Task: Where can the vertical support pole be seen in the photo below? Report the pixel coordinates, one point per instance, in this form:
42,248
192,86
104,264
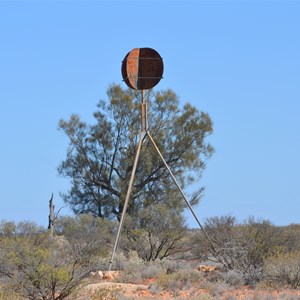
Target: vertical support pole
144,113
144,126
126,200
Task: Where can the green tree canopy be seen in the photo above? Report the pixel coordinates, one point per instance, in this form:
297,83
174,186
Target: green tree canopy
100,156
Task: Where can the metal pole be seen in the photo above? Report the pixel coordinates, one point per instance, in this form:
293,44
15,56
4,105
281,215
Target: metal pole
126,199
180,190
144,113
142,136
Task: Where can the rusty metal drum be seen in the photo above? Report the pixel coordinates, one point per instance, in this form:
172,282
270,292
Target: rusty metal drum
142,68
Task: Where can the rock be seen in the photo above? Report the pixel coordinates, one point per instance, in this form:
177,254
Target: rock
207,269
110,275
98,275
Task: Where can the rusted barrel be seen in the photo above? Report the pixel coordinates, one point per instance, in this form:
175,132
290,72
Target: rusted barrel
142,68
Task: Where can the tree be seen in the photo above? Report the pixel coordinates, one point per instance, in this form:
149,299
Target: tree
100,156
52,218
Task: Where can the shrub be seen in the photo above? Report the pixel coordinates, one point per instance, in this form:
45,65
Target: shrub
106,293
171,266
288,297
283,270
216,288
161,233
37,266
241,247
131,267
181,280
205,297
7,294
87,234
152,270
233,278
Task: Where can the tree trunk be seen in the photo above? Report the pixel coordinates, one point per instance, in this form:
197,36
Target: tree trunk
51,216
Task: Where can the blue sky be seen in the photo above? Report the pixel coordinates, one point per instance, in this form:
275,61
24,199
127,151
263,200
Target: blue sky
237,60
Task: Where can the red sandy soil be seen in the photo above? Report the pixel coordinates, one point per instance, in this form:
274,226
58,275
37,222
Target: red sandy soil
141,291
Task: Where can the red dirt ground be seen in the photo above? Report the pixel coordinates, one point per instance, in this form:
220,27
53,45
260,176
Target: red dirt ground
141,291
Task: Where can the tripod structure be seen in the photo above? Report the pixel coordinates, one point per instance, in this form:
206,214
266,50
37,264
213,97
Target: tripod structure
145,133
142,69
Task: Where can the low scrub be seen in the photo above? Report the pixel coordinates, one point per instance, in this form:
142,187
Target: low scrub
106,293
283,270
8,294
181,280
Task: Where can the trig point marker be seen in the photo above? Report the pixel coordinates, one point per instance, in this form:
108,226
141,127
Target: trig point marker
142,69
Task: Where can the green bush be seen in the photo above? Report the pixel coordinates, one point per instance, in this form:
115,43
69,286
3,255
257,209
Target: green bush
240,247
181,280
152,270
106,293
283,270
37,266
233,278
87,234
131,267
8,294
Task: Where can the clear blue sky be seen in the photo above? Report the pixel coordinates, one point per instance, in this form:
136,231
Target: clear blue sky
237,60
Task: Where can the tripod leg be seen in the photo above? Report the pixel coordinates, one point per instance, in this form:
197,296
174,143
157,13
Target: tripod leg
126,199
180,190
174,179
